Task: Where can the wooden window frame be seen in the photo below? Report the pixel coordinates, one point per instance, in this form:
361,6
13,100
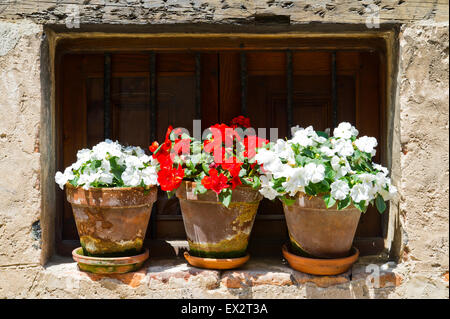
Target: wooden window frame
204,42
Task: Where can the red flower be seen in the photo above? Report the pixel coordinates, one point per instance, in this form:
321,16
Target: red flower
240,121
154,146
170,178
226,134
215,181
163,155
234,168
182,146
235,181
251,143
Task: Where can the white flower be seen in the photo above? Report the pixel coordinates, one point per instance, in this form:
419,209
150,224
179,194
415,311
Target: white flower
388,194
303,137
284,150
343,147
360,192
381,168
267,187
315,173
96,167
340,166
367,144
61,179
345,130
149,175
339,189
327,151
296,181
270,161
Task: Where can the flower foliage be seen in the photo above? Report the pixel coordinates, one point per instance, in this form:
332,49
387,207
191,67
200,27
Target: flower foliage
339,168
220,163
109,164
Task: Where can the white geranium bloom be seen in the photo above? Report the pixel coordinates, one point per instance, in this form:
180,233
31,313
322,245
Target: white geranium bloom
388,194
149,175
340,166
315,173
367,144
302,139
327,151
267,187
343,147
339,189
381,168
345,130
360,192
284,150
61,179
294,129
105,178
296,181
270,161
131,177
93,167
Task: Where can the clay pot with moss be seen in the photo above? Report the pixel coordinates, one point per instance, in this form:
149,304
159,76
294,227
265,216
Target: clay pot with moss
111,222
320,232
213,230
112,189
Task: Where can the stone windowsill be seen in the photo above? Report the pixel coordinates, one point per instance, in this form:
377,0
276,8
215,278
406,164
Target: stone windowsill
259,278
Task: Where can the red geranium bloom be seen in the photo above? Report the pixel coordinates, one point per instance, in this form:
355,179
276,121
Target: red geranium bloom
170,178
234,168
182,146
240,121
235,181
154,146
226,134
251,143
215,181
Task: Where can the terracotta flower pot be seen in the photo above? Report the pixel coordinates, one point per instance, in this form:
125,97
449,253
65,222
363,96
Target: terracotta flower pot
214,231
111,222
316,231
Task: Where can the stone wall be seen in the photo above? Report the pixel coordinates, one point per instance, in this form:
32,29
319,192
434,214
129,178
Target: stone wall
419,122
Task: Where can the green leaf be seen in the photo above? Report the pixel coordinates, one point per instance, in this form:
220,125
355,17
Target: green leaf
277,184
323,134
308,152
381,205
256,183
200,189
329,200
95,164
329,173
225,197
170,194
344,203
116,170
361,206
322,187
288,201
205,168
74,181
310,191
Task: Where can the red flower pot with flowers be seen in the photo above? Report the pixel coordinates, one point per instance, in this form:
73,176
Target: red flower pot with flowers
217,183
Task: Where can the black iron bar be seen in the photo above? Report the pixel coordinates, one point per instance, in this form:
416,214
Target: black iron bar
107,118
152,83
334,115
198,95
289,85
243,83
